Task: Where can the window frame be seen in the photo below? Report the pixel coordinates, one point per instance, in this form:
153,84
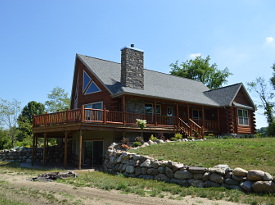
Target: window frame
152,105
85,90
243,117
99,102
199,114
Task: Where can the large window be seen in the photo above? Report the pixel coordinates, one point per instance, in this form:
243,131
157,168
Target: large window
149,109
196,114
243,117
89,86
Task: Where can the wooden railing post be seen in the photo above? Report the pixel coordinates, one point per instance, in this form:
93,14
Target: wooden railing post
82,113
67,115
33,120
124,109
104,115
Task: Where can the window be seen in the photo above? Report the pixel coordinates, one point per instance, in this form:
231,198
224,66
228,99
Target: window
196,114
149,109
89,86
96,105
243,117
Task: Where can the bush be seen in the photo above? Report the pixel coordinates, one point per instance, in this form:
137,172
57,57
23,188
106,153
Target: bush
125,140
178,136
141,123
139,139
137,144
152,138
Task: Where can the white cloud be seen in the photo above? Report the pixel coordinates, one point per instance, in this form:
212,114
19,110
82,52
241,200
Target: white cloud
269,40
194,55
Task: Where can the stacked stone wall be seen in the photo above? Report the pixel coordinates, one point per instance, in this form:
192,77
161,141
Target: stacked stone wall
54,154
138,166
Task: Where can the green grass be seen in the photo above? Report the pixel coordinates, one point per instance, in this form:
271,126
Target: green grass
256,153
154,188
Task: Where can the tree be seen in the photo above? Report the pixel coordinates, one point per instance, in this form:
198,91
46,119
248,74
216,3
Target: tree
261,89
200,69
9,111
5,141
25,119
58,100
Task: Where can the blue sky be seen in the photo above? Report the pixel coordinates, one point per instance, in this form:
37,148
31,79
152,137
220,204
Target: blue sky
39,39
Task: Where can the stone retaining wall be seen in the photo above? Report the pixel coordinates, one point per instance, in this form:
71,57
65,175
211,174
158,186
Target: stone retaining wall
138,166
53,154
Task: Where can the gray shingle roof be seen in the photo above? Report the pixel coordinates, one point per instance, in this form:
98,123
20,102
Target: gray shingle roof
160,85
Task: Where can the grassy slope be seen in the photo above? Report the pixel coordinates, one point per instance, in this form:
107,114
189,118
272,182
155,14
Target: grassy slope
258,153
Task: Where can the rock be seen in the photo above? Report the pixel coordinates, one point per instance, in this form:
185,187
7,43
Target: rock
150,142
145,144
161,170
144,176
238,178
267,177
228,186
177,166
138,171
197,176
255,175
130,169
231,181
217,178
180,182
263,186
247,186
146,163
162,177
206,176
195,183
152,171
144,170
169,172
183,174
220,169
240,172
197,170
159,141
156,164
136,157
210,184
228,175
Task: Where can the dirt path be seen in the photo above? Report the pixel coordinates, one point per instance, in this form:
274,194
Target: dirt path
16,186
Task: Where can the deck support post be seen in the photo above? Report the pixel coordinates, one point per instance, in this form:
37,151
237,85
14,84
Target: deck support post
155,113
188,112
104,115
177,114
33,148
66,149
82,113
203,122
80,150
44,149
218,115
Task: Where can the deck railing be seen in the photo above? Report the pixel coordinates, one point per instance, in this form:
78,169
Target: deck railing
100,116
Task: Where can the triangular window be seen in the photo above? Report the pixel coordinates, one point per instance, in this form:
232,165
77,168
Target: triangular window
86,81
89,86
92,88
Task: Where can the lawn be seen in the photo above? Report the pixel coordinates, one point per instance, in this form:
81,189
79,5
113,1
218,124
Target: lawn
256,153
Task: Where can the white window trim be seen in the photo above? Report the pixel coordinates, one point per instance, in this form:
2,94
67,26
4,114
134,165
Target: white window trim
84,89
91,82
243,117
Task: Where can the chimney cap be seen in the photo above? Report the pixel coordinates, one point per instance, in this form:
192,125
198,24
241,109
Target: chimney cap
132,45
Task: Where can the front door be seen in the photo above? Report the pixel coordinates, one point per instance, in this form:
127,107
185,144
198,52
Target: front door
93,153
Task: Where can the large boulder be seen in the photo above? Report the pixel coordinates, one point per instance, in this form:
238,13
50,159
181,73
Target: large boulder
162,177
247,186
255,175
169,172
220,169
217,178
183,174
263,187
239,172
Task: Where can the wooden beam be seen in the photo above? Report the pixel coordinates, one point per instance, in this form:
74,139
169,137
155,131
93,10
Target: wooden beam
188,112
44,149
82,113
177,113
33,149
80,150
66,149
155,112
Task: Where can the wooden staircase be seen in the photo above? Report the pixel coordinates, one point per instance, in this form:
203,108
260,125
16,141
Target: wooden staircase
190,129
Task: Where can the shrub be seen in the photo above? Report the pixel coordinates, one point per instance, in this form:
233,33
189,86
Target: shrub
139,139
152,138
137,144
178,136
125,140
141,123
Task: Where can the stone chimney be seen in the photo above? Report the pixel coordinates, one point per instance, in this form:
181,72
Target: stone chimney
132,69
